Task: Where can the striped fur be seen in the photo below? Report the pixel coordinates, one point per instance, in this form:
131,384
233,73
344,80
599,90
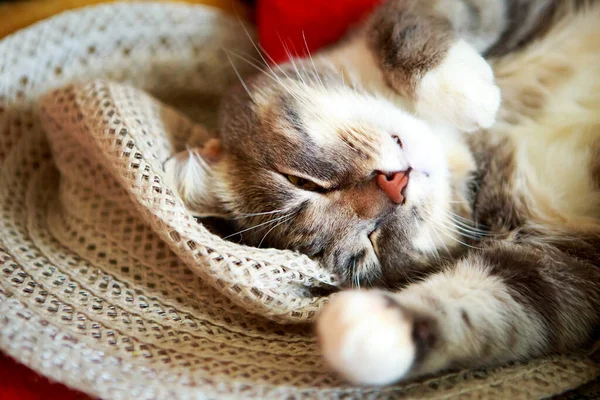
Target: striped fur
495,254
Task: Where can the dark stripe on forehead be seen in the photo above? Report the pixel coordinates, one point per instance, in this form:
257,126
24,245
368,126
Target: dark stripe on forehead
277,151
360,142
312,161
297,150
289,108
359,152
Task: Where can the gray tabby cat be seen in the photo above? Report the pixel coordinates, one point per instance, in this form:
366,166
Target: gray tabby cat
392,159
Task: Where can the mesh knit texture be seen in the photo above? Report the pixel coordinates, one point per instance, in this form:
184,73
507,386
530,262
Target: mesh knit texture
107,283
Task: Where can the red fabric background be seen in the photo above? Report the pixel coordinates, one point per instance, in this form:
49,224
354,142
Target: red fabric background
18,382
322,22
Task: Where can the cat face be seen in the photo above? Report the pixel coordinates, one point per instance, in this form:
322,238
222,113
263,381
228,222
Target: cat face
312,165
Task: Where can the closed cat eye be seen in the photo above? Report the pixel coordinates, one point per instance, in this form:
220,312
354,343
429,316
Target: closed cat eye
304,184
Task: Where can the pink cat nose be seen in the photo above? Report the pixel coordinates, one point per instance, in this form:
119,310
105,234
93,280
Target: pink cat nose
393,184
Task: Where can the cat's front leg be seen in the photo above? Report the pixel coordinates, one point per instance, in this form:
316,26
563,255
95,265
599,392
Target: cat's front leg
424,58
460,90
377,337
369,339
500,305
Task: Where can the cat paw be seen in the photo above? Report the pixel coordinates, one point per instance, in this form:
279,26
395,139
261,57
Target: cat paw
461,90
367,338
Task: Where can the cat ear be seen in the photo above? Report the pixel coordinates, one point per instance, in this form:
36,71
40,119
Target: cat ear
192,174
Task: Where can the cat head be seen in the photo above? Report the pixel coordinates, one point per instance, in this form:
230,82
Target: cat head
305,162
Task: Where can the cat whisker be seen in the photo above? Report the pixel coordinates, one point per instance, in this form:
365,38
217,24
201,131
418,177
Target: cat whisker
444,230
260,52
434,249
298,74
342,76
460,230
356,276
308,74
312,60
466,223
385,284
460,217
254,63
449,224
256,47
240,78
292,60
197,158
441,240
292,57
257,226
471,229
267,72
242,216
275,226
455,239
472,224
306,70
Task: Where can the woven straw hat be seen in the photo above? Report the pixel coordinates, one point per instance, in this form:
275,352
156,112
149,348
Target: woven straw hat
107,284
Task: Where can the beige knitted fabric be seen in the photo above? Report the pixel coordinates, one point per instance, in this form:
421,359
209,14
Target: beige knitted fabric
107,284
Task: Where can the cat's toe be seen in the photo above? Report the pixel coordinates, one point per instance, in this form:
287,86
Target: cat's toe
460,91
364,339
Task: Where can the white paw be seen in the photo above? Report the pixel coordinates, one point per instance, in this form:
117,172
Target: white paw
461,90
364,339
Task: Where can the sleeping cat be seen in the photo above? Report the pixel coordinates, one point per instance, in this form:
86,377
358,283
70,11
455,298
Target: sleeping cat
466,197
